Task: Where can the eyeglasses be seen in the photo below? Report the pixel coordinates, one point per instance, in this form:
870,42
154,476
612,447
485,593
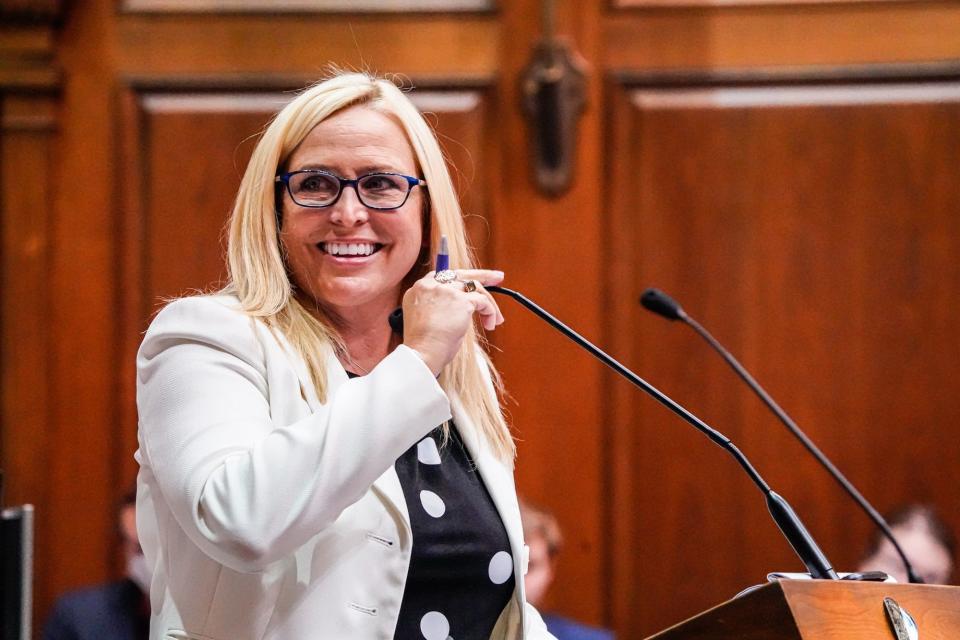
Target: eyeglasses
317,188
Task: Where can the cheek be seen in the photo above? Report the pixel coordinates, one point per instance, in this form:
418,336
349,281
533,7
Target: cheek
407,230
296,253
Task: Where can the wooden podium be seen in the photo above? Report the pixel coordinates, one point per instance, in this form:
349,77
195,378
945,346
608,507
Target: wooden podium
824,610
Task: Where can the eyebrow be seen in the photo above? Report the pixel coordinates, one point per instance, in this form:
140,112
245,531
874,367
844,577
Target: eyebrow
362,171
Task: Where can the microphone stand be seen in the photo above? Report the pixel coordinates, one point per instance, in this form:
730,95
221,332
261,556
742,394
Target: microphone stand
804,440
786,519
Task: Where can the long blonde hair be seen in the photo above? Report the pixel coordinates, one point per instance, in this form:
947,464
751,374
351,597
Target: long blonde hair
258,274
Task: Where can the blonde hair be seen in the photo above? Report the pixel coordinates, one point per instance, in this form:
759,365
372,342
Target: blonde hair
258,273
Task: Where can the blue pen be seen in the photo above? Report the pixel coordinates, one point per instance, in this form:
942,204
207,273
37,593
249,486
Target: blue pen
443,256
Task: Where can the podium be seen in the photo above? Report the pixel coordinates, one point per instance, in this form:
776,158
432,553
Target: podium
825,610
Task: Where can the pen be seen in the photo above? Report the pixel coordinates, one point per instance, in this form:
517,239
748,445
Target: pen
443,256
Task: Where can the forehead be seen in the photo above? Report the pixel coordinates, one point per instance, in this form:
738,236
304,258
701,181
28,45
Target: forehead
356,138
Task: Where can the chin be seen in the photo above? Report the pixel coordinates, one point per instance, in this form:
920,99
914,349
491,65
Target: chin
355,292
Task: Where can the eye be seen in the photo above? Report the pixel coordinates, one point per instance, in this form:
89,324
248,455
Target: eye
382,183
314,183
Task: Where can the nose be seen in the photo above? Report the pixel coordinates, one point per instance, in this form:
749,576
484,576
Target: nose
348,210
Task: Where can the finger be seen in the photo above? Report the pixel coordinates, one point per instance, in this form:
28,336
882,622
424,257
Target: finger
484,306
483,276
493,301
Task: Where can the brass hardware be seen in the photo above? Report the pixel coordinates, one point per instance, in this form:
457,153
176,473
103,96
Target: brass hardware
553,88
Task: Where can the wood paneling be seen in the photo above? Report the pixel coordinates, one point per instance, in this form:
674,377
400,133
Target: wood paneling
551,250
783,174
702,4
827,35
821,244
26,142
29,93
177,198
464,48
303,6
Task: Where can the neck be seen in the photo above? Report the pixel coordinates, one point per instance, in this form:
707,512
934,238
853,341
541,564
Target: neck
365,333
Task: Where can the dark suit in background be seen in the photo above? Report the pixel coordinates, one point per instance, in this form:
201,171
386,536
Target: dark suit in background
113,611
567,629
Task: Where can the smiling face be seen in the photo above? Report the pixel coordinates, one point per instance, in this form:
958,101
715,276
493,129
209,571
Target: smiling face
348,258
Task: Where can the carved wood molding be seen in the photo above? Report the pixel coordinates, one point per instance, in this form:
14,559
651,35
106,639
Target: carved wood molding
304,6
27,45
789,76
687,4
31,11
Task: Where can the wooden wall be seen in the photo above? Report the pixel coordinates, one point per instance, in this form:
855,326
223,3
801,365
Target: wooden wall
788,170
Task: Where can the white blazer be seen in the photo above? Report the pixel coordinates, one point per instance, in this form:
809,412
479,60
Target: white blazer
265,514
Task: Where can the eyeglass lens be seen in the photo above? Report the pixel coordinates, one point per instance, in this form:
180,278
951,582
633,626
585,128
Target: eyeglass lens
380,190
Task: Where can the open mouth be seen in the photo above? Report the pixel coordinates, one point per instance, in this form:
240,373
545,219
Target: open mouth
350,249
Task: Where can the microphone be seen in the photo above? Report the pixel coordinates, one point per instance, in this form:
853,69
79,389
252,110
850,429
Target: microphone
660,303
784,516
395,319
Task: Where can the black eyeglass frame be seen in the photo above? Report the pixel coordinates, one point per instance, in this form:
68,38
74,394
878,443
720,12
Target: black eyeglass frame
284,178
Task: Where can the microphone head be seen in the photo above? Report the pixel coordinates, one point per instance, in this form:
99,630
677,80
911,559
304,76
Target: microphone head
396,321
661,304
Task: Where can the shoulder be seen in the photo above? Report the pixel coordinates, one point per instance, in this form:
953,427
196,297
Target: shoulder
216,320
196,312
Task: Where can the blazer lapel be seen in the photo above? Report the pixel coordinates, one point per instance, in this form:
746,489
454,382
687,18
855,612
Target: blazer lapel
388,484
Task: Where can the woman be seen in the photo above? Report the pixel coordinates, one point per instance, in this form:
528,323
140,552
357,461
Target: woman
306,472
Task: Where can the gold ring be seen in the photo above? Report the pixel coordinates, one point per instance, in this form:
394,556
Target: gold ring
469,286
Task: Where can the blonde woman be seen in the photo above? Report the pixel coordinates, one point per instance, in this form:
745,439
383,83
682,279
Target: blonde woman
305,471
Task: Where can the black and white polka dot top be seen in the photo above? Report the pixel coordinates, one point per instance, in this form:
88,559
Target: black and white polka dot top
461,570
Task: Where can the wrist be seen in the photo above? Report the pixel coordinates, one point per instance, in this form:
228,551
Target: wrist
434,363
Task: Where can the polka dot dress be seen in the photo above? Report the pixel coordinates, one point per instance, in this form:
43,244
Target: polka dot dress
461,570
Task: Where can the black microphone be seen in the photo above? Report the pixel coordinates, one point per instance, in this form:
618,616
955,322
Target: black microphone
785,517
395,319
660,303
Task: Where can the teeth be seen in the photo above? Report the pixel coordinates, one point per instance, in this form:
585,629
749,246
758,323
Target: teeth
349,249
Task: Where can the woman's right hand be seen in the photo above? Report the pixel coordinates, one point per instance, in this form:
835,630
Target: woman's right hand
436,316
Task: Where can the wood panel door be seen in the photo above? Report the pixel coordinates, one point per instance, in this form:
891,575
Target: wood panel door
821,246
783,167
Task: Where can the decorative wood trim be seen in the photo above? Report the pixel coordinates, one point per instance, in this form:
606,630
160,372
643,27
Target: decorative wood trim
782,36
789,76
773,96
699,4
27,46
306,6
246,83
36,79
31,11
129,277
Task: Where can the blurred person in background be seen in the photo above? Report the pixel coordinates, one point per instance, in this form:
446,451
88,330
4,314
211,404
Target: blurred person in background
114,611
543,536
925,539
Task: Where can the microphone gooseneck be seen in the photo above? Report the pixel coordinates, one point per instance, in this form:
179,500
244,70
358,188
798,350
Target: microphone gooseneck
653,300
787,520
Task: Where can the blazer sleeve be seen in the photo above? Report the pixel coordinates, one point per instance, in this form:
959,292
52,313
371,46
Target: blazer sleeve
245,490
